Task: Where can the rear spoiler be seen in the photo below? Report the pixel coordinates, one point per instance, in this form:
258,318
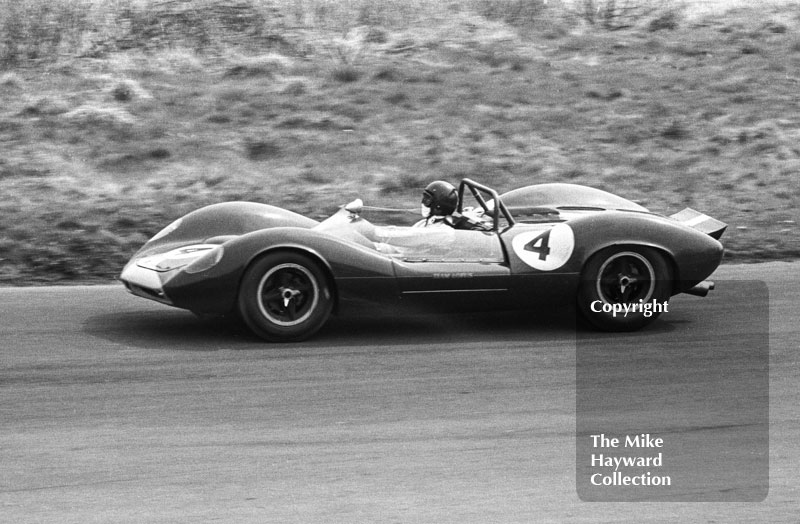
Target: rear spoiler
701,222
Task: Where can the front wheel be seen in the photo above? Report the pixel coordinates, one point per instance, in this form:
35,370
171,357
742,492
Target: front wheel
284,297
624,288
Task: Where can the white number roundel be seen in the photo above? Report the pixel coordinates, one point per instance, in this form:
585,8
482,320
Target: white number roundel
545,250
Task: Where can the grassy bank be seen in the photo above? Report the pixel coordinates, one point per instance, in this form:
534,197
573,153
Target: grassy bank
118,117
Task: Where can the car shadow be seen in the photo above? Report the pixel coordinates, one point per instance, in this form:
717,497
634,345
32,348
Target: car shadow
183,331
167,329
387,326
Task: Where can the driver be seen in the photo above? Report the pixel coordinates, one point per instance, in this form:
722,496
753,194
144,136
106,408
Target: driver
438,208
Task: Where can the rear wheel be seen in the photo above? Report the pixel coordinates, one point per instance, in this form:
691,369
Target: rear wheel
624,288
284,297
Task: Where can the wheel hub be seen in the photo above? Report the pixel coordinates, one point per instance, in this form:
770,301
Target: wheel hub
625,277
625,281
288,294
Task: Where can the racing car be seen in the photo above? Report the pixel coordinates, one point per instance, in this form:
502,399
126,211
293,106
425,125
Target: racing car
546,245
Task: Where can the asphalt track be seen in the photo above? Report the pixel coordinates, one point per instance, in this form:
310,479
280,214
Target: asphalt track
115,409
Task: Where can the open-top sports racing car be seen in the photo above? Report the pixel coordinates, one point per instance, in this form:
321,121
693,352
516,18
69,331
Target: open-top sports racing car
548,244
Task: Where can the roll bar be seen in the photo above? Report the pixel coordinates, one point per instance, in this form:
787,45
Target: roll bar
499,207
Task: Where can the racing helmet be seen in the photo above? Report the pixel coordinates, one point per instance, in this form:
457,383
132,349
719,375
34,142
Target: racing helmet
440,198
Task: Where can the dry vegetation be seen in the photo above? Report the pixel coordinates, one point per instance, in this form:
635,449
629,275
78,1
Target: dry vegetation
117,117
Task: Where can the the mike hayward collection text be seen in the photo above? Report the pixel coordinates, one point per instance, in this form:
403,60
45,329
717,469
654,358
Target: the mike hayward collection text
615,469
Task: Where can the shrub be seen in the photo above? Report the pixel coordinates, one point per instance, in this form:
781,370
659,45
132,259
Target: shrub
667,20
264,65
122,92
396,98
127,90
261,149
675,131
296,88
387,74
46,106
512,12
618,14
346,73
36,29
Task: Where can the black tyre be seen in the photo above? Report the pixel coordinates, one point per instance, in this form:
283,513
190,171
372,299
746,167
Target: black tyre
284,297
637,278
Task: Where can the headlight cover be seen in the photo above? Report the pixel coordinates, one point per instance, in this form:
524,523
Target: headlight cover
206,261
183,256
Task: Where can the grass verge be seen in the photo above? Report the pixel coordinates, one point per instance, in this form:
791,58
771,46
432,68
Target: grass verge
110,131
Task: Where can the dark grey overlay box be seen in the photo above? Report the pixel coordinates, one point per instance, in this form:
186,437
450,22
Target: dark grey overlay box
686,400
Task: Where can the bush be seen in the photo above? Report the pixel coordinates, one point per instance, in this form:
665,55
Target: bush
619,14
261,149
512,12
35,29
346,73
675,131
668,20
46,29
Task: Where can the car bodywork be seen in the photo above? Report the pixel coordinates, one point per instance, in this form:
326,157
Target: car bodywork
534,251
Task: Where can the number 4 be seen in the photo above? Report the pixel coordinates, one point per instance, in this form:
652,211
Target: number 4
539,245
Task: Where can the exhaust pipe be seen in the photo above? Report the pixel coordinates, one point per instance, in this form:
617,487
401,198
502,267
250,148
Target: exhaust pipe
701,289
